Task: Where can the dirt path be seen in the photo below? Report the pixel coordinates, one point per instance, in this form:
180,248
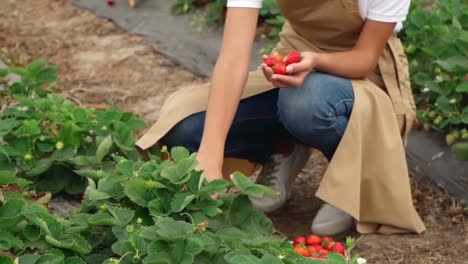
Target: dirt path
99,62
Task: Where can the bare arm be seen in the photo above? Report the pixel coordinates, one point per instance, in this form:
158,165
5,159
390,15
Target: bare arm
363,58
353,64
227,85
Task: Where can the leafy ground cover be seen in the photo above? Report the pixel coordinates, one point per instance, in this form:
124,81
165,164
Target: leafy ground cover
99,62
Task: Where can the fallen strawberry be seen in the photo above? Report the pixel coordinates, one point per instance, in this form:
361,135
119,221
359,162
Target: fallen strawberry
313,240
293,57
280,68
300,240
323,252
327,242
302,251
110,2
270,61
338,247
416,124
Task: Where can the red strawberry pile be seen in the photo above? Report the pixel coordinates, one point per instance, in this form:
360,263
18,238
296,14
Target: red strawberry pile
315,247
279,64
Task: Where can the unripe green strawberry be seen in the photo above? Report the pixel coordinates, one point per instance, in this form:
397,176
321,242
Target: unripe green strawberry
104,128
432,115
450,139
28,156
438,120
150,184
427,127
456,134
59,145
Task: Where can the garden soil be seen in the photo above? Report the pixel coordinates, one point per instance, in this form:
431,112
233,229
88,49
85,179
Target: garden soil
98,63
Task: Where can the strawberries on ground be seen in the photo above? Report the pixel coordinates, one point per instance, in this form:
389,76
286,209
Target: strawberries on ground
316,247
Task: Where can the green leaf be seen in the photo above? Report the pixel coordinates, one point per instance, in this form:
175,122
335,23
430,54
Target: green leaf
31,232
334,258
104,148
452,63
158,208
240,181
180,172
40,167
270,259
6,260
171,229
7,177
47,75
240,210
236,257
103,219
179,153
126,167
95,195
6,125
461,151
217,186
9,241
462,88
12,208
123,215
181,200
112,185
123,136
34,67
193,246
74,260
19,71
136,191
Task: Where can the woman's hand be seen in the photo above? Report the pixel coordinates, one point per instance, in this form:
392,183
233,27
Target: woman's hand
298,71
211,166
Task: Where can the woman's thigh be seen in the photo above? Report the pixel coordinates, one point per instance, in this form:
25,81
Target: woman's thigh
254,133
317,112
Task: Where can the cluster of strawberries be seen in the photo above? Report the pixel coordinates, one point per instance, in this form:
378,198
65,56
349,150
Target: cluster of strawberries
315,247
279,64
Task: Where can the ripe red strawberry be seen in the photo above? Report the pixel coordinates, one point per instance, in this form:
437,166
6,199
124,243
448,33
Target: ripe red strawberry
323,252
270,61
280,68
302,251
338,247
312,249
416,124
300,240
293,57
317,247
82,195
278,57
313,240
110,2
327,242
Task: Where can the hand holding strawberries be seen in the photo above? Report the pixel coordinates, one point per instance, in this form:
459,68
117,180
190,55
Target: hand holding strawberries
291,71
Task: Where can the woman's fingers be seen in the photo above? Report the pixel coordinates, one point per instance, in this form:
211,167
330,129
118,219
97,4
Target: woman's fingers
286,81
267,72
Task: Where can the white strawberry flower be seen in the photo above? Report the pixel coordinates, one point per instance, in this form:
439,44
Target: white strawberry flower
426,90
361,261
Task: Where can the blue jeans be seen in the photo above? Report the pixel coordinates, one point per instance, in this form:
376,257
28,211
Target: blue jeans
315,114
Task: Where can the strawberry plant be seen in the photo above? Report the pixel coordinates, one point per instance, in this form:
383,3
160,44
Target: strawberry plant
435,38
53,143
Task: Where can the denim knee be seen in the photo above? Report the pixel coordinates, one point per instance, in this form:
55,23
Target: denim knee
187,133
315,109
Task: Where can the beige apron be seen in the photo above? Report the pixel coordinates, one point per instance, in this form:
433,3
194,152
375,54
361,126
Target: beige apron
368,175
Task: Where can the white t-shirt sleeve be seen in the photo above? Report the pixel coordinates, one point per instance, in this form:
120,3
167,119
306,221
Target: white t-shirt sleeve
388,10
245,3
